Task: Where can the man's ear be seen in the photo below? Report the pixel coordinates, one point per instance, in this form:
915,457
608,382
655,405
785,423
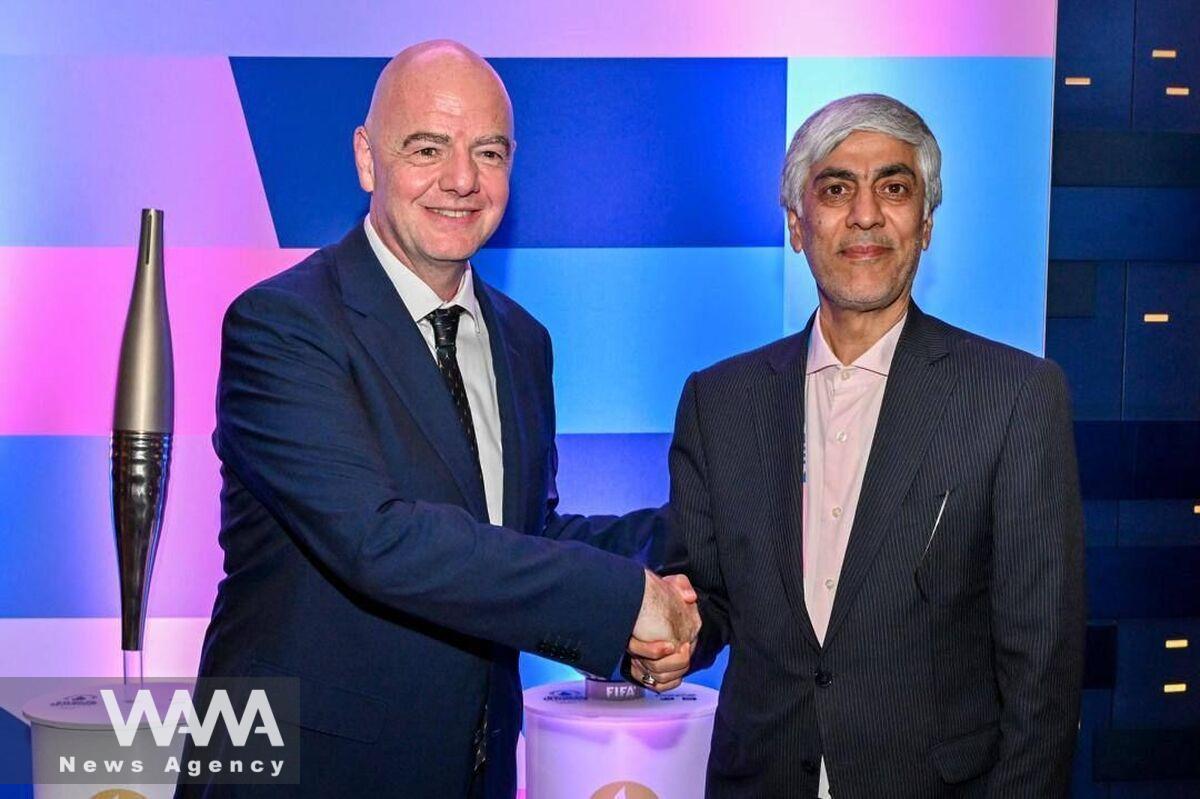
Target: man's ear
363,160
795,230
926,232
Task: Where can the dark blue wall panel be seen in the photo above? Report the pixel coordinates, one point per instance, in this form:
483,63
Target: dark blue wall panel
1166,25
1124,224
1160,522
1085,328
1095,40
600,142
1094,714
1126,158
1145,665
1162,362
1143,582
295,107
689,148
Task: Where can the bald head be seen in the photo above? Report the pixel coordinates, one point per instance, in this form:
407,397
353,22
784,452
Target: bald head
435,152
432,67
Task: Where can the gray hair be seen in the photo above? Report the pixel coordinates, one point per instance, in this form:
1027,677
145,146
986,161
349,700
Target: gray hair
829,126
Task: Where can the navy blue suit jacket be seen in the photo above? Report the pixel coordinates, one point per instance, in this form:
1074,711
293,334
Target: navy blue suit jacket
358,556
952,664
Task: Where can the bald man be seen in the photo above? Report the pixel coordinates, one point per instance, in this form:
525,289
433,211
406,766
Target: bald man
385,423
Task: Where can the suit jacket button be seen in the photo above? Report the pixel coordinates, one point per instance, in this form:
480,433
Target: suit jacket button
824,678
809,766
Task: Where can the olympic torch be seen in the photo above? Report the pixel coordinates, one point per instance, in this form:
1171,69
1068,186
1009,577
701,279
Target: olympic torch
143,422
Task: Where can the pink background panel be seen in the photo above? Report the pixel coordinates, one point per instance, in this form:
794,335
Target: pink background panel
541,28
64,311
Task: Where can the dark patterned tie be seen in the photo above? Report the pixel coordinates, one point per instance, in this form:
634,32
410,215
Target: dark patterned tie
445,336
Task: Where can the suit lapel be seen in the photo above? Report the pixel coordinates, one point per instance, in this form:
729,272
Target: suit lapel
389,334
777,401
919,382
512,426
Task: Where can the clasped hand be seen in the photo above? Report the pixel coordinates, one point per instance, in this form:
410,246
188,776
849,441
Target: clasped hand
665,633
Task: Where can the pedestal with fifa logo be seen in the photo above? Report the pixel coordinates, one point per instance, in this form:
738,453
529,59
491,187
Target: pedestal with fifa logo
616,742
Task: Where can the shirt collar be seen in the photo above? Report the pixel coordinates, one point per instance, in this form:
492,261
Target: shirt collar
877,359
418,297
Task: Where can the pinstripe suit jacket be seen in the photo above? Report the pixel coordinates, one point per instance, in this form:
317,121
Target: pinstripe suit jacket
952,663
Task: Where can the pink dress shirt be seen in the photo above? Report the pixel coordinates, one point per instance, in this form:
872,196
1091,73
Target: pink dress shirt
841,407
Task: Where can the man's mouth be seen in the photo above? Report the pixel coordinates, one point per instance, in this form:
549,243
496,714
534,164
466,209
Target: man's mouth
864,251
452,213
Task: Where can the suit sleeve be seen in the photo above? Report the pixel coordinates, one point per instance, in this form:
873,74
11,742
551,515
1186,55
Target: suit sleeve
639,534
291,426
1038,615
692,544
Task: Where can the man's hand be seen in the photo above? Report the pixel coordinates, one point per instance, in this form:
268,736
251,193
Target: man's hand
665,632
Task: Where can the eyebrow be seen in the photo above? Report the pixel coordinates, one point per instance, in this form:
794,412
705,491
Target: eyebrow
425,136
442,138
835,173
499,139
894,169
838,173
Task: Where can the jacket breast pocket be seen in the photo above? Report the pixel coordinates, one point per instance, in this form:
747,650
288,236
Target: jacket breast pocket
952,562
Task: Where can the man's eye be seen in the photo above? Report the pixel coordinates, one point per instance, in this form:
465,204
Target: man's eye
836,190
427,152
895,189
492,155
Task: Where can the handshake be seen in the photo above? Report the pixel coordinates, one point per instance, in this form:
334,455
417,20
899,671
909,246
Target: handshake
663,638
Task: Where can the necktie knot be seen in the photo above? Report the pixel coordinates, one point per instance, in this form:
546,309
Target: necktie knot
445,325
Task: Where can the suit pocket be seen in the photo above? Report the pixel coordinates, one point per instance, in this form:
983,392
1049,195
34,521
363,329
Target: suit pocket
967,756
328,709
952,548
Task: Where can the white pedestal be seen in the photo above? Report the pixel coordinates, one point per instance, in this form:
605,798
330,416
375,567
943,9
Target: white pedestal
76,722
650,748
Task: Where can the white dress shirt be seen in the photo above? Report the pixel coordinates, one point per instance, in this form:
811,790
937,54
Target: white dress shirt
474,352
841,409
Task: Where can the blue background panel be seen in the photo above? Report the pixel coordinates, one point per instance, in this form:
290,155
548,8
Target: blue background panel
301,114
1162,380
1161,522
1095,40
629,325
986,267
611,152
1085,333
1124,224
1100,522
1144,665
1166,25
1094,713
612,473
1143,582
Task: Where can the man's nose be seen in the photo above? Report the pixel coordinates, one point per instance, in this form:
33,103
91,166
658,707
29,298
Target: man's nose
866,211
460,175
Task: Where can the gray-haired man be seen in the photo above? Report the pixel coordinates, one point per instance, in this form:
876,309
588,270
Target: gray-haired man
881,514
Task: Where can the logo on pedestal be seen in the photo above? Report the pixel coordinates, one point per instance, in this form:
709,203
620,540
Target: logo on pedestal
624,790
